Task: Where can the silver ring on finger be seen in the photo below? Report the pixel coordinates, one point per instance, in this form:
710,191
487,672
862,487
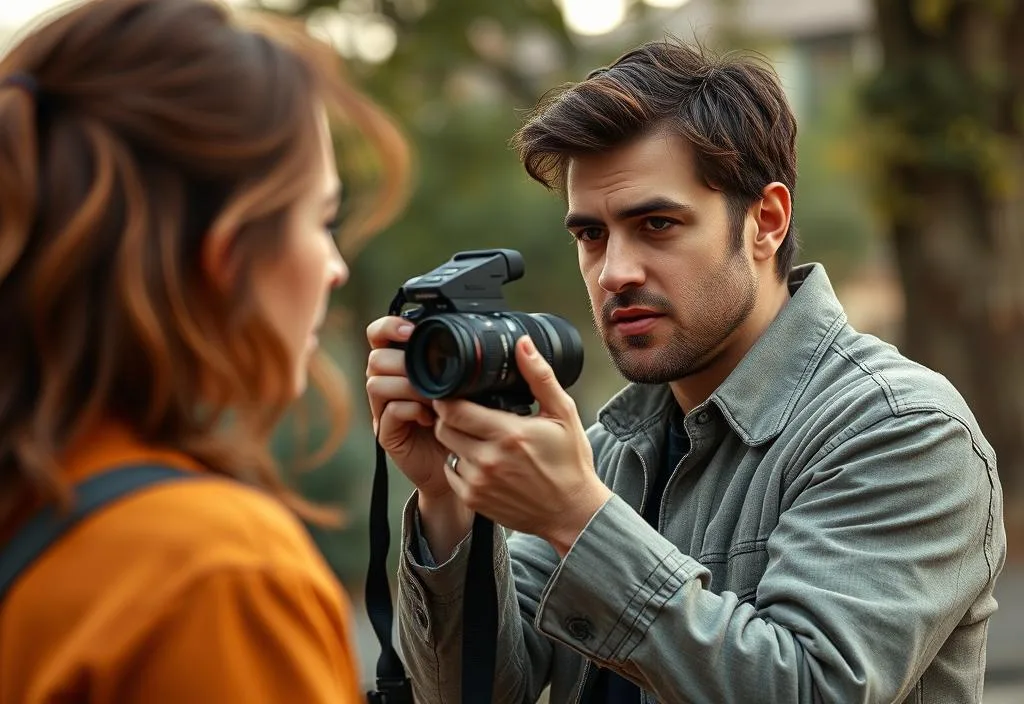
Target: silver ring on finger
452,462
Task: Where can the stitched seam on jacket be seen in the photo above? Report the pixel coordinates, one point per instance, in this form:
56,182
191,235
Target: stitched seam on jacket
625,652
618,626
637,629
900,409
647,591
742,548
883,384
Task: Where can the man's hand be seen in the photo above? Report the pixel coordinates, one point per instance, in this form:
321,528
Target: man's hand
404,422
531,474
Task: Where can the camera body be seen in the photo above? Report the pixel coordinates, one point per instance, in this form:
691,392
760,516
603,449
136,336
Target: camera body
464,342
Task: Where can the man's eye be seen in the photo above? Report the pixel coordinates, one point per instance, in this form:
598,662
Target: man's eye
587,234
657,223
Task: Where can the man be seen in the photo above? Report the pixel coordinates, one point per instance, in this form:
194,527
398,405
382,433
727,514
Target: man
776,508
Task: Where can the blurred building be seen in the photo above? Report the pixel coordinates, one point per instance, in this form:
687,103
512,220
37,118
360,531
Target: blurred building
810,42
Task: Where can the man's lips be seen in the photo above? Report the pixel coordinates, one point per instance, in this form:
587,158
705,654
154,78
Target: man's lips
634,321
632,313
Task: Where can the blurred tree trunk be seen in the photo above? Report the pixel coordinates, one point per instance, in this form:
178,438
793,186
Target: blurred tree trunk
946,115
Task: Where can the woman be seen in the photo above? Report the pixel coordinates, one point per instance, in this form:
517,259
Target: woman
167,194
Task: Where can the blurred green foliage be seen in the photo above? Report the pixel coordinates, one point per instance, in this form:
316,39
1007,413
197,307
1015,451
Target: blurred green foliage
836,220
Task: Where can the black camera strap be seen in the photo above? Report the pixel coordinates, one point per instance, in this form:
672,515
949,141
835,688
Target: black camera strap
479,616
393,686
480,605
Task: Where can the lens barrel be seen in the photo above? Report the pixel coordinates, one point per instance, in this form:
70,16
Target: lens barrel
458,355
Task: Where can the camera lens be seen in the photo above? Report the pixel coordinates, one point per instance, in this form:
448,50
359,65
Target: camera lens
439,359
471,354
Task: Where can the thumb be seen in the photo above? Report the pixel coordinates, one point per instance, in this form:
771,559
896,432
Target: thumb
540,377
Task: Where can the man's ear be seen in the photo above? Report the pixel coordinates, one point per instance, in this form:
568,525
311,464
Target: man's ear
772,215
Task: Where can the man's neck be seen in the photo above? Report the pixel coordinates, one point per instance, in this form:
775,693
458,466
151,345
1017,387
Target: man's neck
693,390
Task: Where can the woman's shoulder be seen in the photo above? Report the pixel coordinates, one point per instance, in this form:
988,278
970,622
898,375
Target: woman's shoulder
205,517
201,516
146,549
174,531
198,560
163,540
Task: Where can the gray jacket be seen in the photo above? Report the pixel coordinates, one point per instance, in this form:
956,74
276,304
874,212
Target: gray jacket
833,535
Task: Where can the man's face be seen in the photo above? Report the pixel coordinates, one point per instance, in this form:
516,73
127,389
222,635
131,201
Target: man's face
668,284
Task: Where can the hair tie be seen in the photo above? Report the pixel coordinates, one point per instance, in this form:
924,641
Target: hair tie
22,80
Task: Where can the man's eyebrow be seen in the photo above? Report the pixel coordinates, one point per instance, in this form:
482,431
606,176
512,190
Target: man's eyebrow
654,205
580,220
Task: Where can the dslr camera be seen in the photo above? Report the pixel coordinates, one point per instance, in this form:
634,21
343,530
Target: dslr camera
463,345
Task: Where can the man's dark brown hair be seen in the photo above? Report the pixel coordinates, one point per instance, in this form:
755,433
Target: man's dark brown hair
731,109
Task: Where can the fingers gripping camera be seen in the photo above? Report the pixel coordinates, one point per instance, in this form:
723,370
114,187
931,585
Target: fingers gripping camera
463,345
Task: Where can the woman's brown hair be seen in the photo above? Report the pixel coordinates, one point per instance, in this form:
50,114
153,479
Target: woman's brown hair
131,131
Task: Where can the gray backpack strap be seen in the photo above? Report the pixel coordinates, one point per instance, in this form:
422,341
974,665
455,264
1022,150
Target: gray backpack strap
48,525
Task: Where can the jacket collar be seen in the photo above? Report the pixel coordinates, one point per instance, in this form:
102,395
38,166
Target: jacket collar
758,397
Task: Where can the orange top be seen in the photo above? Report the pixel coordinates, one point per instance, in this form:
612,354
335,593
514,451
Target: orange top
189,592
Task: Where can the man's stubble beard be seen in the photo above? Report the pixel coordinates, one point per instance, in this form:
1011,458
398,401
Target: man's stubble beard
686,351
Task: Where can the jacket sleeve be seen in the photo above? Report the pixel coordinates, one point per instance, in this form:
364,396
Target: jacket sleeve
260,635
430,616
886,543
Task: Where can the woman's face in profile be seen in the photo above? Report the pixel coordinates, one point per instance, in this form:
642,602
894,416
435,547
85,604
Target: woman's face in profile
294,289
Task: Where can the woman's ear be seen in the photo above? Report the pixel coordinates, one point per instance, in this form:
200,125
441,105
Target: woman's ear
215,257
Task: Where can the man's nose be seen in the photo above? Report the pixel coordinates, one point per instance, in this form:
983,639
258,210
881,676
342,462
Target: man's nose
623,266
